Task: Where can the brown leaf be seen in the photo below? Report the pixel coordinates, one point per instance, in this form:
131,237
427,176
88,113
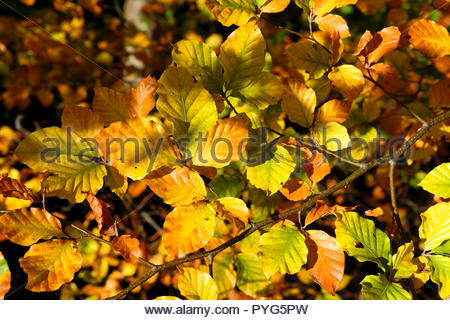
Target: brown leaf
316,166
295,190
128,247
322,210
326,261
14,188
102,215
374,212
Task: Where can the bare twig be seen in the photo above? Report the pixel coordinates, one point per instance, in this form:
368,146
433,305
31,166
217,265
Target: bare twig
398,221
309,202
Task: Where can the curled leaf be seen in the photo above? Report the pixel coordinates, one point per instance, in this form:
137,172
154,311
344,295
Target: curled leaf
128,247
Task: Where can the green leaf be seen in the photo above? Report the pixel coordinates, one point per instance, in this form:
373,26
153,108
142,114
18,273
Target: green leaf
187,104
444,248
224,273
310,57
332,135
360,238
304,4
263,91
380,288
230,12
5,277
201,61
270,174
68,157
250,275
440,274
435,227
402,264
195,284
437,181
242,56
283,249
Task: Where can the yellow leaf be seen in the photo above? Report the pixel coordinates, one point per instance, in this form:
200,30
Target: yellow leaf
136,146
71,159
83,121
110,105
322,7
269,173
225,142
333,23
325,260
299,104
348,79
242,56
5,277
230,12
263,91
197,285
310,57
186,103
333,111
435,227
440,274
273,6
233,209
402,261
28,225
50,264
332,135
430,38
250,275
188,228
176,186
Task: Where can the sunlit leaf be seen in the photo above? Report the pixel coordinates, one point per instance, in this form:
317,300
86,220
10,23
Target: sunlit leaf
136,146
263,91
348,79
186,103
332,135
322,7
333,23
197,285
310,57
283,249
233,209
373,48
322,210
224,273
70,159
28,225
430,38
128,247
141,99
402,263
225,142
250,275
176,186
437,181
440,273
230,12
333,111
270,174
242,56
435,227
295,190
272,6
380,288
316,166
361,239
325,260
299,104
85,122
50,264
5,277
201,61
188,228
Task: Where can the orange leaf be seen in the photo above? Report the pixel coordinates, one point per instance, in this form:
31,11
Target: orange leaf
14,188
371,49
316,166
274,6
102,215
110,105
322,210
295,190
177,186
225,142
128,247
325,260
333,111
141,99
430,38
374,212
348,79
83,121
5,277
333,23
439,94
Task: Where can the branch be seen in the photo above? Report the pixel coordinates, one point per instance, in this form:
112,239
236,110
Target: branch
309,202
398,221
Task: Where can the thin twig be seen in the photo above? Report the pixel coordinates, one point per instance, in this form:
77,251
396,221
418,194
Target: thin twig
308,203
398,221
